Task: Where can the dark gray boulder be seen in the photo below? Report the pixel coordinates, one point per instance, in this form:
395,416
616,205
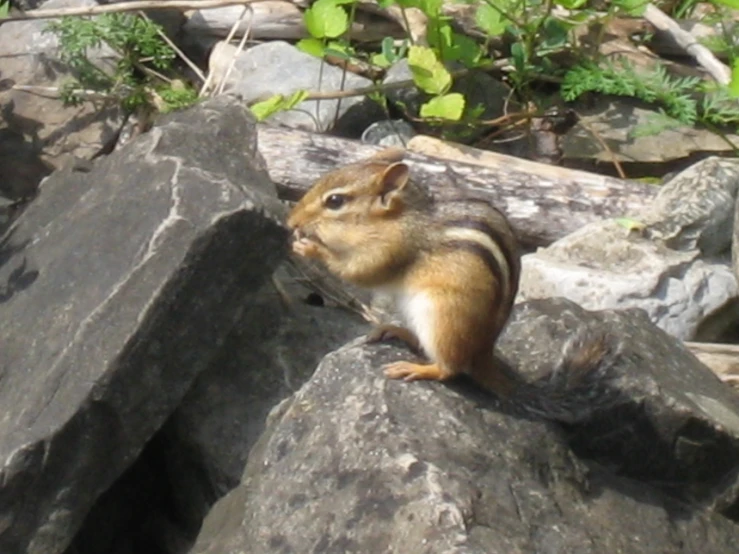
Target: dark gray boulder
119,284
354,462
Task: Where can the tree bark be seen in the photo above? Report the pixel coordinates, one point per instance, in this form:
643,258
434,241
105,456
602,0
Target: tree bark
544,203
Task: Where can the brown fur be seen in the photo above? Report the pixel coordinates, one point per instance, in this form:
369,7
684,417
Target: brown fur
387,234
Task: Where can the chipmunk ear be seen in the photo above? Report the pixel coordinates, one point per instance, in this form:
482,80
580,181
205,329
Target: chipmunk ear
392,182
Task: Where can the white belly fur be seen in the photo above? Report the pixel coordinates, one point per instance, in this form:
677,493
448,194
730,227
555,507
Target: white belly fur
418,311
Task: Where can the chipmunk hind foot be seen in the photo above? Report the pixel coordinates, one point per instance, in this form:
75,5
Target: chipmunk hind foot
410,371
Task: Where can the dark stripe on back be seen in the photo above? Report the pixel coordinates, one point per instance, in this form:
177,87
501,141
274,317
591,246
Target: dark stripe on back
511,258
483,253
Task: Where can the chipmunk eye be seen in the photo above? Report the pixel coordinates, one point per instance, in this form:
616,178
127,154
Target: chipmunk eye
335,201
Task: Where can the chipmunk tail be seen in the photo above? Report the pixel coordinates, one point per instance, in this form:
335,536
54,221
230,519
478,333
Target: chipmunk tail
580,384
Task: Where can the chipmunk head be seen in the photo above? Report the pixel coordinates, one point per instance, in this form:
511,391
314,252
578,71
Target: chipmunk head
351,197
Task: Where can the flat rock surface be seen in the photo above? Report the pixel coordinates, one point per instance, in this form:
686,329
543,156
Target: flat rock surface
119,283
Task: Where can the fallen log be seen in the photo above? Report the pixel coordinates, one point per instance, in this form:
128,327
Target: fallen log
544,203
722,359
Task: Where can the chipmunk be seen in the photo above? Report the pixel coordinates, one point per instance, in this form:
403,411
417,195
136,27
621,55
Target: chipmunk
453,269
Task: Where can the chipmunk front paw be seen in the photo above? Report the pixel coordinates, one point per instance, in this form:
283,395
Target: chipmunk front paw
306,248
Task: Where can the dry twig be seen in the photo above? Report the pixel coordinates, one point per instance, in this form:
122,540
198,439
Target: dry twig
125,7
720,72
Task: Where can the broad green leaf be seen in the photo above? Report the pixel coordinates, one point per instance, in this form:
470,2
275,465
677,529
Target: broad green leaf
490,20
555,33
325,19
262,110
380,60
466,50
311,46
4,8
734,83
731,3
449,106
429,73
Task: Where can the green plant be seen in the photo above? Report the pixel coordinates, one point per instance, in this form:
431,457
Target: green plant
677,96
142,58
622,79
541,47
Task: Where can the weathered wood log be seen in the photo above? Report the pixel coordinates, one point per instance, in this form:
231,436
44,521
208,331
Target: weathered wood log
722,359
544,203
279,19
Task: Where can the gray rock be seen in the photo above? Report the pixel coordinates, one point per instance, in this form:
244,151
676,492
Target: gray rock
120,284
47,134
272,351
678,424
695,209
675,267
389,132
613,120
354,462
279,68
602,266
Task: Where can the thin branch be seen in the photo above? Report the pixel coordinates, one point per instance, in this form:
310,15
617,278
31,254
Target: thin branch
604,145
174,47
334,94
240,47
126,7
720,72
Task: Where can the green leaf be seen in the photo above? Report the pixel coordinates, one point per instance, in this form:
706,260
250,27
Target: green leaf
734,83
380,60
4,8
340,53
571,4
731,3
518,53
429,73
296,98
466,50
630,224
311,46
325,19
490,20
632,7
388,49
262,110
447,106
277,103
555,33
430,7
